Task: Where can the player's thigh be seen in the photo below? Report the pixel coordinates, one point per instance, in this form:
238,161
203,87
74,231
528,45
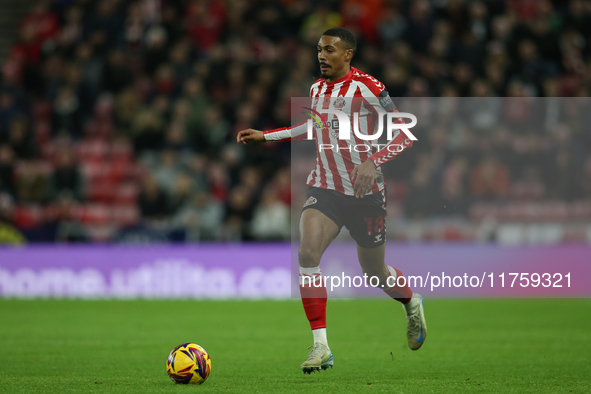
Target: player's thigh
316,232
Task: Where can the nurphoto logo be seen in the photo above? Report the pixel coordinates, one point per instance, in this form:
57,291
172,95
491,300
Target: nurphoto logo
340,128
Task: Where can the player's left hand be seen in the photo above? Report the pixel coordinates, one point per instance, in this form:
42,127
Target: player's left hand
364,176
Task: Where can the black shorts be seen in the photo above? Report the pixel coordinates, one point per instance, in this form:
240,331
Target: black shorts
365,218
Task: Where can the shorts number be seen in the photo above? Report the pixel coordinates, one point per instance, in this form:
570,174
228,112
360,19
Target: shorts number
377,226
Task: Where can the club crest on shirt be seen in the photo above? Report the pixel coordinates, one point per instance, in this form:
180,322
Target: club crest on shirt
310,201
339,102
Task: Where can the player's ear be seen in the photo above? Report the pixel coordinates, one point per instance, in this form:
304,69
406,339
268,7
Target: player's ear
348,55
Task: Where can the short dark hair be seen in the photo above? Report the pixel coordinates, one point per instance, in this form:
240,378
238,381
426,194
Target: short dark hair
347,38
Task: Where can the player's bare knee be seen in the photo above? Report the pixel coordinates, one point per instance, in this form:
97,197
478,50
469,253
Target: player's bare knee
309,257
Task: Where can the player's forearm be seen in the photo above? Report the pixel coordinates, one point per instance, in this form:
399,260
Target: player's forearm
295,133
283,134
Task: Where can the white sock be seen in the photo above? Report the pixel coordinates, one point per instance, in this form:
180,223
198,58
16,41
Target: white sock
411,306
311,271
320,336
309,275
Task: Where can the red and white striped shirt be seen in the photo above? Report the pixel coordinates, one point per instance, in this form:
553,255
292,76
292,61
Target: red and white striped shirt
365,95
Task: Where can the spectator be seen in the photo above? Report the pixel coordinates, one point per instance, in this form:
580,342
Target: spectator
71,31
271,218
239,210
6,170
32,184
175,138
489,180
27,51
152,201
421,196
116,75
156,51
42,21
164,80
63,219
452,200
8,109
90,63
392,25
320,20
9,234
216,129
107,18
182,192
127,106
204,21
202,216
66,178
420,26
20,138
147,130
167,170
197,101
180,59
564,167
197,170
66,119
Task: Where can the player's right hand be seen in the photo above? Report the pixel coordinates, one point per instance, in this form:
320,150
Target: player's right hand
250,135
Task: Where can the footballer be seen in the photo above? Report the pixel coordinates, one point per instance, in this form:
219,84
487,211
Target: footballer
346,188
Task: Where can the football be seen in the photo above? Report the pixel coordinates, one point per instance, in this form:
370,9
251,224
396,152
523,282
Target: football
188,363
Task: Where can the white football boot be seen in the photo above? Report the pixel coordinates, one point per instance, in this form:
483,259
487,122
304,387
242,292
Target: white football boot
416,328
320,357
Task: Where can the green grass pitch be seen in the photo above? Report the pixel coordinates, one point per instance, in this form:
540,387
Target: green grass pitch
480,346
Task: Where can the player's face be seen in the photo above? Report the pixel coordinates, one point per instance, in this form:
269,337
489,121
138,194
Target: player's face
333,58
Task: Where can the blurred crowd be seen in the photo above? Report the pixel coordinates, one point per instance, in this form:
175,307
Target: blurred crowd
118,117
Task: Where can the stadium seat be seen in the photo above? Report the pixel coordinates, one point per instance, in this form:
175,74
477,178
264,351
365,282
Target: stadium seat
126,194
480,211
580,210
98,129
41,110
526,191
90,150
121,152
42,130
94,172
519,212
124,215
103,109
450,232
27,216
395,209
575,233
554,211
100,233
102,191
95,214
398,189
